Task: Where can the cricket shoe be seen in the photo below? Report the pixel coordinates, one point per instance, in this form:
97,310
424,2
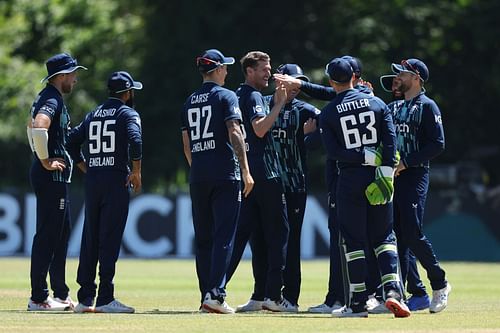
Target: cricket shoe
282,305
82,308
324,308
250,306
48,305
71,304
416,303
216,304
114,306
440,299
394,303
373,306
355,311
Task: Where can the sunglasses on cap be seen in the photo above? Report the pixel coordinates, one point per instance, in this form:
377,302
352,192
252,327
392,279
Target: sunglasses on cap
206,61
406,64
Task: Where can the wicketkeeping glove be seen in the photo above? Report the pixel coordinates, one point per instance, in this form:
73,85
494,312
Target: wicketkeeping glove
373,157
381,190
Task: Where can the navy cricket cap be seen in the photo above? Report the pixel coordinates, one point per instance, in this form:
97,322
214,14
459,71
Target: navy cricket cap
355,63
293,70
386,82
339,70
414,66
122,81
61,63
211,59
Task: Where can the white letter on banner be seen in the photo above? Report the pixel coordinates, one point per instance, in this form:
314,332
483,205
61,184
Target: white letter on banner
8,225
29,222
184,226
131,237
315,219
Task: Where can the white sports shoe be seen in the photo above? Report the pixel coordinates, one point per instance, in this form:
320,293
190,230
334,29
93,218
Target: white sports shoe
324,308
251,305
114,306
345,312
440,299
282,305
82,308
48,305
216,305
375,307
71,304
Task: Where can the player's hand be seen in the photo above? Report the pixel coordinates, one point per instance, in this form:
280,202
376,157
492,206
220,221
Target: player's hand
288,81
399,168
381,190
310,126
51,164
248,183
280,95
366,84
134,180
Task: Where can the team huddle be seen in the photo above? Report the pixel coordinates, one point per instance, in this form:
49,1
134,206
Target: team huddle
248,184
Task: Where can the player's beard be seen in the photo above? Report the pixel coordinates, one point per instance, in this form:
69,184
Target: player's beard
66,87
130,102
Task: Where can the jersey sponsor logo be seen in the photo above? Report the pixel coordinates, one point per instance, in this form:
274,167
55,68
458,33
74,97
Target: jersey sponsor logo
402,128
201,98
279,133
257,109
414,205
62,204
101,162
354,105
203,146
438,119
286,115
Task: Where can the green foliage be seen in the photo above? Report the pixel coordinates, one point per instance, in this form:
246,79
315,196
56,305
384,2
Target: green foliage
158,41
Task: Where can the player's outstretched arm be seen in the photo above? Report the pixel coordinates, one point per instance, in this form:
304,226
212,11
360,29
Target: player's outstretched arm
238,143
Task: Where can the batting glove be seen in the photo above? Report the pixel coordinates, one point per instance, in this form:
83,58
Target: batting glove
381,190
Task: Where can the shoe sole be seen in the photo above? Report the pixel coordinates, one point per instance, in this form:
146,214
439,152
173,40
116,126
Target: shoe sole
272,310
213,310
397,308
352,315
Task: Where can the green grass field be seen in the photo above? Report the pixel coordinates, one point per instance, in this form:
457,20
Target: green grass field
165,295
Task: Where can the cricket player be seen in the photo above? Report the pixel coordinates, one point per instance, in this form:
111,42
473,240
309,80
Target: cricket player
215,150
352,126
110,136
263,217
50,175
420,138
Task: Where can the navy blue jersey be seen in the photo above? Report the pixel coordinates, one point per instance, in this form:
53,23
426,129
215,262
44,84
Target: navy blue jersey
262,157
420,134
288,138
50,103
110,135
204,116
352,121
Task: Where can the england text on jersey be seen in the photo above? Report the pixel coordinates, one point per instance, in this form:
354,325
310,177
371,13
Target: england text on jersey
202,146
100,162
353,105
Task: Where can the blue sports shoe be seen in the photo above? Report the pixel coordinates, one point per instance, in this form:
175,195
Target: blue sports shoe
416,303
